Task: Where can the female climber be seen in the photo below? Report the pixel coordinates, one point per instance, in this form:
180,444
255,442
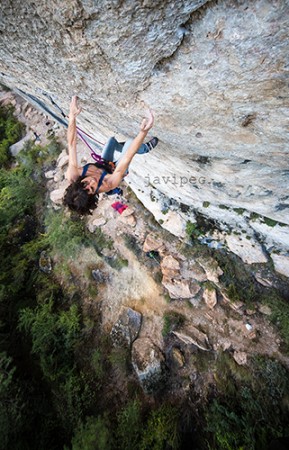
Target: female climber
92,179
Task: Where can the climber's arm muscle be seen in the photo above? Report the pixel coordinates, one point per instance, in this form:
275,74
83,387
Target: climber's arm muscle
125,161
73,170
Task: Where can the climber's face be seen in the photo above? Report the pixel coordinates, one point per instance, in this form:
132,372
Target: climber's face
90,184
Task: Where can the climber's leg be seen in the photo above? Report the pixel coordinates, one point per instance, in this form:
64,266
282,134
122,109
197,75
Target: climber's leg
144,148
110,147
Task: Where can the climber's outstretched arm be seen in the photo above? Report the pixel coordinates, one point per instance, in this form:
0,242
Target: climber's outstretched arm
125,161
72,171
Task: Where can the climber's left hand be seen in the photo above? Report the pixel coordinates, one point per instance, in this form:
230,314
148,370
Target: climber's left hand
74,108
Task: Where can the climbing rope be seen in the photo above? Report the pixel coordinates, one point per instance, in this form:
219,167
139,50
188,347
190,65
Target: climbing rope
81,133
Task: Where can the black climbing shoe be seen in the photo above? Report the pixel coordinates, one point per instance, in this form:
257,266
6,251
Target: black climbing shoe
152,143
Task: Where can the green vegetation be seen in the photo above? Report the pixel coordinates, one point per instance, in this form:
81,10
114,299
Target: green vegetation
241,286
94,434
206,204
133,431
279,316
133,245
172,321
161,430
224,207
239,211
192,230
130,425
51,330
11,131
117,262
270,222
65,235
254,216
11,402
242,415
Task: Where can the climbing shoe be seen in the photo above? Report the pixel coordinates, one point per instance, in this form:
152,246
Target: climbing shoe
152,143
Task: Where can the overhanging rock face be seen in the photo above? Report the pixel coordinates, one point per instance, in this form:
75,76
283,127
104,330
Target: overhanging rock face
215,74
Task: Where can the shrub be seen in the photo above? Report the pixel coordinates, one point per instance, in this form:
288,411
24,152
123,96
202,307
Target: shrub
129,427
172,321
97,363
161,431
251,406
64,235
53,336
133,245
73,398
11,402
239,211
34,158
18,196
270,222
192,230
11,131
94,434
279,316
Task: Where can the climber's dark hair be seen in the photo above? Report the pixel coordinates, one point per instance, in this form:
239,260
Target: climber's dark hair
78,199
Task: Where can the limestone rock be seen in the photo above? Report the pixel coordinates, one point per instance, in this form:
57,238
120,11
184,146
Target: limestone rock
45,262
210,266
249,252
225,344
62,159
128,220
98,276
196,337
281,264
126,329
49,174
264,309
170,267
177,357
263,279
240,358
174,223
95,223
148,362
210,297
193,270
177,288
59,176
250,312
192,60
18,146
128,212
194,288
236,305
152,243
57,195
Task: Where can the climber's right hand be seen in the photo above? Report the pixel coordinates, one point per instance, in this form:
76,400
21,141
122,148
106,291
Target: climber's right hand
74,108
